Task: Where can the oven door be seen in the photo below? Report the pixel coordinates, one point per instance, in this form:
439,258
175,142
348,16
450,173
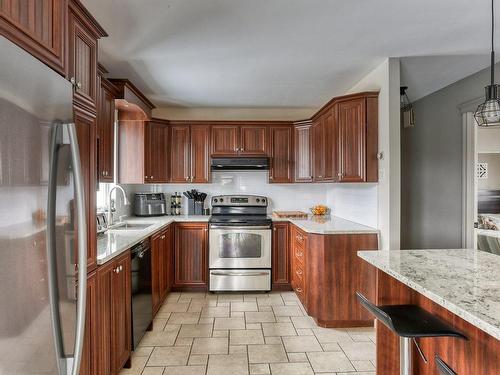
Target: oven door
240,247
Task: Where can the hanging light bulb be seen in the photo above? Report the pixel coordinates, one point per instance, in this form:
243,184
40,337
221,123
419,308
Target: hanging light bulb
488,113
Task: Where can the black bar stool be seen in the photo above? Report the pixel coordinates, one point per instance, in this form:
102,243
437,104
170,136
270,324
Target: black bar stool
443,368
409,322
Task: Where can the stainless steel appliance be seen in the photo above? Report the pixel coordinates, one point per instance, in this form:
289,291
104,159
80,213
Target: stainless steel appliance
240,164
240,244
142,295
150,204
42,220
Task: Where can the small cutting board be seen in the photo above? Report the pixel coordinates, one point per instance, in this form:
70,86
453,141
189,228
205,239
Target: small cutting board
290,214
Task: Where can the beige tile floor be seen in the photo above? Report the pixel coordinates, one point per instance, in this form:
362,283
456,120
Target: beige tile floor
247,334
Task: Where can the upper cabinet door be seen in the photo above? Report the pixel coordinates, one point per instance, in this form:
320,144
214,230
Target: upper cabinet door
224,140
38,27
281,154
330,148
106,133
156,152
179,153
302,148
200,154
318,150
253,140
82,64
352,141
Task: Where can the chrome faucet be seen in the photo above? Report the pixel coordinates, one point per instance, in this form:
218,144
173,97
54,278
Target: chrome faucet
110,208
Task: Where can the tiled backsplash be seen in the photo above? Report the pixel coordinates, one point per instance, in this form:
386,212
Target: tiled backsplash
357,202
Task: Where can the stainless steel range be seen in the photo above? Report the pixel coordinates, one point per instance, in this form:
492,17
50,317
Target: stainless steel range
240,244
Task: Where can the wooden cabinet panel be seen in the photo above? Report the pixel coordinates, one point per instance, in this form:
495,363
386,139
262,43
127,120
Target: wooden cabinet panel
317,150
200,154
179,153
156,152
190,255
86,134
114,314
281,154
253,140
302,149
121,312
298,249
352,140
90,341
330,146
281,260
106,132
224,140
156,257
38,27
166,269
82,63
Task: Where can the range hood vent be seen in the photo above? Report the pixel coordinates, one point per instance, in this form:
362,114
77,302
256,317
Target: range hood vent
240,164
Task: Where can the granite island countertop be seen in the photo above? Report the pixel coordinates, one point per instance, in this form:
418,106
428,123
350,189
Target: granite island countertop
328,225
465,282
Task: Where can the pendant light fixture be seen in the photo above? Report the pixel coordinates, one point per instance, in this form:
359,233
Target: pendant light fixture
488,113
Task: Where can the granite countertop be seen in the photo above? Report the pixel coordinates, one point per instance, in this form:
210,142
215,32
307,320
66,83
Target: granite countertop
113,243
329,225
465,282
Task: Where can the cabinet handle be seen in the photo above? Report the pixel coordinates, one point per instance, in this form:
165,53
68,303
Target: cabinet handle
79,85
242,149
191,179
73,81
340,174
103,173
320,176
274,229
145,177
271,177
163,237
187,178
205,230
121,268
299,290
151,177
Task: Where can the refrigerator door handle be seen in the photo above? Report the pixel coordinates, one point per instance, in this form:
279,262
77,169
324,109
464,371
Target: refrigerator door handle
51,249
67,365
82,250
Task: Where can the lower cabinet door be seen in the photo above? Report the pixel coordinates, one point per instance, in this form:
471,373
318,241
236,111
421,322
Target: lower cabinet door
191,251
121,312
104,286
156,251
90,343
281,256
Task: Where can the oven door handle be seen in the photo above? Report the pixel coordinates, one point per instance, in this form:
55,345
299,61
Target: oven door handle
233,273
215,226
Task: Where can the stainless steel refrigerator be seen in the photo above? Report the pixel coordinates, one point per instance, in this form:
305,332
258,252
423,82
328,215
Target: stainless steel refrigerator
42,220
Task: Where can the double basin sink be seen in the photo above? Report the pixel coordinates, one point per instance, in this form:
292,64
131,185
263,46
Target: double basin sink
126,227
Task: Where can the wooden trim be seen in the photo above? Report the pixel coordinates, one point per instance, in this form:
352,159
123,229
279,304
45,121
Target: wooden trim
89,20
123,84
371,139
226,122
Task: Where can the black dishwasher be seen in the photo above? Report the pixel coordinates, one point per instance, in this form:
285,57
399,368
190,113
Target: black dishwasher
142,299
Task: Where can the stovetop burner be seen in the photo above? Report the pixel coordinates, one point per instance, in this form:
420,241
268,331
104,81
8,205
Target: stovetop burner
239,210
240,220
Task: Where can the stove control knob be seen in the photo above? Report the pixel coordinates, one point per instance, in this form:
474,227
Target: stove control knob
222,200
215,200
263,200
257,200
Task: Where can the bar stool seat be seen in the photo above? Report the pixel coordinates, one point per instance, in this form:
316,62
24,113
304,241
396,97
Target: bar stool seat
409,322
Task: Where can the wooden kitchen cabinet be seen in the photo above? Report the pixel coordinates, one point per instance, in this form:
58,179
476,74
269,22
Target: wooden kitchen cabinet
281,154
253,140
38,27
298,251
239,140
302,150
90,342
156,152
281,256
179,153
190,153
324,148
83,33
114,314
105,128
191,255
161,266
200,154
225,140
85,124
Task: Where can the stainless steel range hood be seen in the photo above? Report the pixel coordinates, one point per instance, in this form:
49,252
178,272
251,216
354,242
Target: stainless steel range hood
240,164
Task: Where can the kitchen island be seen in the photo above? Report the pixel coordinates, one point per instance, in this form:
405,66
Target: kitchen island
460,286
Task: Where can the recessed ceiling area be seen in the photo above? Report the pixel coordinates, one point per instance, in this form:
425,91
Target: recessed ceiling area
274,53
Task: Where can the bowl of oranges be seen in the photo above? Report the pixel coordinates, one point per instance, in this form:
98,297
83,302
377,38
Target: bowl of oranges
320,210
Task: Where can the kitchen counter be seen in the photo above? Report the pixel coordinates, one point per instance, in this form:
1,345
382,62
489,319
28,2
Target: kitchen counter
113,243
464,282
329,225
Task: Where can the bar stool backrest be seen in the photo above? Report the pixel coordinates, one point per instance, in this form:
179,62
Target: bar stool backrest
443,368
379,314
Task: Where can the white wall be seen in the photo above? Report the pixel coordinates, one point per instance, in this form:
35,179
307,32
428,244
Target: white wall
223,113
281,196
385,79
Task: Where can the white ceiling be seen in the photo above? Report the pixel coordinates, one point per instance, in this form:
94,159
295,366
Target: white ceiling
275,53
